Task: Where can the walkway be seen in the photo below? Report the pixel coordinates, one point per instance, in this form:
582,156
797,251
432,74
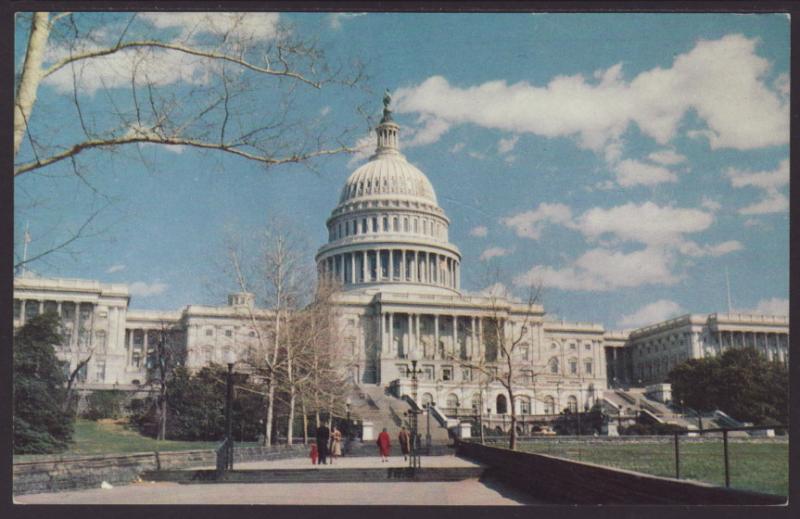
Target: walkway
481,492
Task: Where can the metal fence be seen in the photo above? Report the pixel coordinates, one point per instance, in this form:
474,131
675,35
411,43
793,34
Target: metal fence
737,457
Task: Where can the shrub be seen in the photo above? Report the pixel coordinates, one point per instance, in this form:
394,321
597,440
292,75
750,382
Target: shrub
104,404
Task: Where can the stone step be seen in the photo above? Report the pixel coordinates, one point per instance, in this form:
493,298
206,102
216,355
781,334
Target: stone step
316,475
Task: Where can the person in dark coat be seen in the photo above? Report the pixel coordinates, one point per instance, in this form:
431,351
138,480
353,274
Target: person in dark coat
323,435
404,438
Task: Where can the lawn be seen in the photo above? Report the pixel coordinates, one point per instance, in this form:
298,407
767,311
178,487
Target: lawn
112,437
758,466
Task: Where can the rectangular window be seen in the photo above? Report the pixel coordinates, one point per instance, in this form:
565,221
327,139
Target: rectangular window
209,332
228,333
17,309
427,373
385,223
447,374
573,367
588,367
100,372
572,345
466,374
402,370
587,346
82,373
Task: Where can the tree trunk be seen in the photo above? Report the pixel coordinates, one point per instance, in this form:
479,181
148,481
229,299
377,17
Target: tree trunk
270,406
290,427
512,444
305,421
31,75
162,430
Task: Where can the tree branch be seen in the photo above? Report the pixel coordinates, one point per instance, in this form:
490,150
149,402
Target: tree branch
180,48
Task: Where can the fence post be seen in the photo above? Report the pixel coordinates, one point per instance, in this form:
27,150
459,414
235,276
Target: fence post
677,459
725,449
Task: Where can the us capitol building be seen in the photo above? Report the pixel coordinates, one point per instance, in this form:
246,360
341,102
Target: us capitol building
401,299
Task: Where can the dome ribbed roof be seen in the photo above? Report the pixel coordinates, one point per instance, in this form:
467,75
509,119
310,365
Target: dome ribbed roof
388,174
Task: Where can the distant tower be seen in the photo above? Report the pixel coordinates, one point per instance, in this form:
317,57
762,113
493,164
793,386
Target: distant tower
728,285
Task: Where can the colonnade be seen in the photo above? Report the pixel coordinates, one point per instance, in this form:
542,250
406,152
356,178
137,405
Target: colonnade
402,265
774,345
76,316
452,335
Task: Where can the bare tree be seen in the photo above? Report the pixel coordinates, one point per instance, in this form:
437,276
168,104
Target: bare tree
504,334
235,83
162,360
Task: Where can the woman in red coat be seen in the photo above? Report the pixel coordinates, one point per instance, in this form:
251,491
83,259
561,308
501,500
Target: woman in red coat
384,444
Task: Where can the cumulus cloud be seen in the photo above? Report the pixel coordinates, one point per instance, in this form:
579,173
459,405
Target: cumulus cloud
457,147
646,223
494,252
668,157
722,81
652,313
531,223
142,289
603,269
770,182
506,145
115,268
365,147
710,204
691,248
245,26
497,290
773,306
634,172
335,19
430,131
480,231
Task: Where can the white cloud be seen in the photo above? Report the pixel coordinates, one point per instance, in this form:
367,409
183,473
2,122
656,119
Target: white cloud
710,204
494,252
476,155
115,268
457,147
768,181
722,81
603,269
652,313
480,231
335,19
506,145
497,291
430,131
325,111
691,248
142,289
365,147
773,306
633,172
245,26
647,223
531,223
668,157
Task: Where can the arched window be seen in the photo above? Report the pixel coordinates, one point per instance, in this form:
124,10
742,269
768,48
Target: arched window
476,402
452,400
502,406
364,226
416,225
385,224
424,226
588,367
374,224
405,224
553,364
524,405
427,398
572,404
395,224
549,405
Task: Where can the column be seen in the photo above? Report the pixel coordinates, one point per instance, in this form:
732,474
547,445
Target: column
456,350
474,343
341,268
415,268
382,334
436,336
391,334
391,265
353,267
363,266
130,348
76,328
22,303
481,349
417,333
403,266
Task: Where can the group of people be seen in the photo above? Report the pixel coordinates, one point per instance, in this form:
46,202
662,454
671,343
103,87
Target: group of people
385,444
328,446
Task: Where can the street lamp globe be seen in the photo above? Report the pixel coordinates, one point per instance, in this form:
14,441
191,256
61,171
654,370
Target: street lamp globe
413,356
230,358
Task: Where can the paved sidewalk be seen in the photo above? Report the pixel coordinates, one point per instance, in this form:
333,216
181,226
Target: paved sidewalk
466,492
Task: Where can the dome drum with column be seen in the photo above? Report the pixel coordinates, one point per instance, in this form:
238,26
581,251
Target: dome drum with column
388,226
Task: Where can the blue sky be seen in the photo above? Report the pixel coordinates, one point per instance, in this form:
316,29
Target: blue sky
624,161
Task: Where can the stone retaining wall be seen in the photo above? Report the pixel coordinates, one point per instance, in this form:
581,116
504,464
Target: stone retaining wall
57,473
557,480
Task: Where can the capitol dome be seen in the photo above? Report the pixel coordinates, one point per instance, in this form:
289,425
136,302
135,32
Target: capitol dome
388,227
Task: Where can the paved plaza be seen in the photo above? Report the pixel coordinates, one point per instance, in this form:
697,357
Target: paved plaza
483,492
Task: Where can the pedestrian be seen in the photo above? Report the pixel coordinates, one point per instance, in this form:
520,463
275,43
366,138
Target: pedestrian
323,437
384,444
405,442
336,444
314,453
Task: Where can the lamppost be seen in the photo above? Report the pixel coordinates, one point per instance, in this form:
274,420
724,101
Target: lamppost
428,442
230,360
413,372
347,404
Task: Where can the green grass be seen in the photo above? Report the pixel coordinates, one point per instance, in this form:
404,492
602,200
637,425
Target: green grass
761,467
112,437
